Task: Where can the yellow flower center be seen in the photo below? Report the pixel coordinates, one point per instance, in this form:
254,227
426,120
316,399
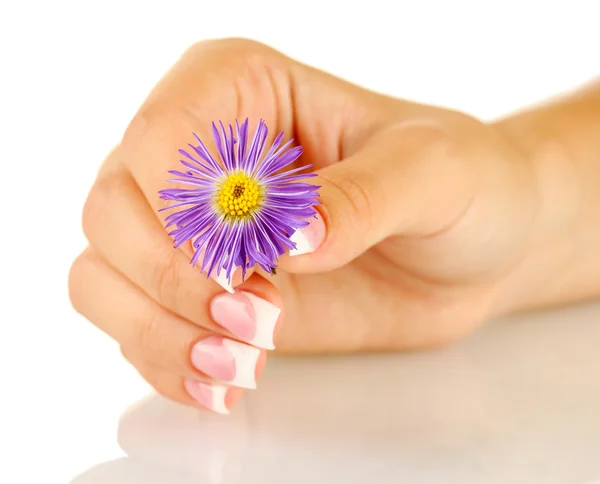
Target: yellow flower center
239,196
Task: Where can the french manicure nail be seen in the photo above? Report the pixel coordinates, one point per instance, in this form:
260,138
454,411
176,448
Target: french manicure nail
209,395
309,238
247,316
221,279
227,360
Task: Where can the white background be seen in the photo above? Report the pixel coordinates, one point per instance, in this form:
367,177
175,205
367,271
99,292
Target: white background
72,74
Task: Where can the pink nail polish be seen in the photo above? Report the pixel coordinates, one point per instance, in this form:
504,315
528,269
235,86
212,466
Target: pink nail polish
226,360
247,316
309,238
209,395
212,357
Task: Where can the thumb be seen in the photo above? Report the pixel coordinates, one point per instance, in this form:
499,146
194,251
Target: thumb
405,181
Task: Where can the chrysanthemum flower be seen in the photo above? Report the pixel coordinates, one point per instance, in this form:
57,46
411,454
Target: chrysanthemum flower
240,210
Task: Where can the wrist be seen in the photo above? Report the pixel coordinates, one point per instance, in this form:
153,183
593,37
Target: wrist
537,280
556,267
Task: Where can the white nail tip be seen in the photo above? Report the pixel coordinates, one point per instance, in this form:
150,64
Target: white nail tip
222,281
245,357
218,399
266,318
302,244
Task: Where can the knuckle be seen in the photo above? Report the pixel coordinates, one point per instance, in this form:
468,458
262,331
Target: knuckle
443,147
149,339
94,206
248,63
105,190
236,46
76,281
168,111
167,279
350,190
151,122
430,142
158,122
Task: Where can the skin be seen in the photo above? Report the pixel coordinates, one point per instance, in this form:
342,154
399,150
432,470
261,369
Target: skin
435,221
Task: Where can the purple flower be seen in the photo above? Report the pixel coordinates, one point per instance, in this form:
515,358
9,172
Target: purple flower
241,209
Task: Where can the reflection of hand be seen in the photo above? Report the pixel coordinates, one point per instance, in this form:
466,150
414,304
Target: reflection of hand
425,211
131,471
467,414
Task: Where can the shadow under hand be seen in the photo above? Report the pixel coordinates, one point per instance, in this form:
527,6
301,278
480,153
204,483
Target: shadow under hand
517,402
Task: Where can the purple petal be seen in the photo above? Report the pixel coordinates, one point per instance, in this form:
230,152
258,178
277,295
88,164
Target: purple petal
286,175
225,243
206,170
203,153
242,134
219,145
253,155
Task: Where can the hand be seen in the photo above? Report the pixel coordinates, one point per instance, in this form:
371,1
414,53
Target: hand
425,213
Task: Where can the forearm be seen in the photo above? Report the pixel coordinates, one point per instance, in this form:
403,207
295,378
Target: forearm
562,142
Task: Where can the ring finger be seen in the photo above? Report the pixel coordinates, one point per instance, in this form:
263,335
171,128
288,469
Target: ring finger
149,333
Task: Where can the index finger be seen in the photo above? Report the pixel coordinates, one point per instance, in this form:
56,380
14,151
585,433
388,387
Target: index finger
225,81
213,81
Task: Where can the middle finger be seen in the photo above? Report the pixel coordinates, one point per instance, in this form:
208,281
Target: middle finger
122,228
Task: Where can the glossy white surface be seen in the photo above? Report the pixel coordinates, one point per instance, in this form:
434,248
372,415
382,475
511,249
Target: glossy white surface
519,402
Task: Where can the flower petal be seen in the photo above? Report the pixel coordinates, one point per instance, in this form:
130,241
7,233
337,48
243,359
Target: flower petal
258,237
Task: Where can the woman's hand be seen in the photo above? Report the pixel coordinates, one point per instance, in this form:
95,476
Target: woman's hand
426,213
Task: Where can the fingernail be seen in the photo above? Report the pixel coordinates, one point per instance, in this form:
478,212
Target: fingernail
221,279
309,238
227,360
209,395
247,316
